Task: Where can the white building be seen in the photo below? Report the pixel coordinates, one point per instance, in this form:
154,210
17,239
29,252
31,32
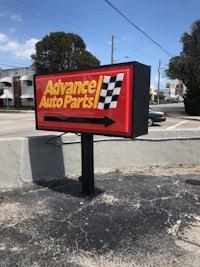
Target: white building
168,93
17,88
152,92
174,91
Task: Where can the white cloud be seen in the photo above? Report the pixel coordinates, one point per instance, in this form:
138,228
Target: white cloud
3,38
17,49
16,17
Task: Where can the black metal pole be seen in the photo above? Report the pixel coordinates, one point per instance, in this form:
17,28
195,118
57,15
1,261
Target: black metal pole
87,157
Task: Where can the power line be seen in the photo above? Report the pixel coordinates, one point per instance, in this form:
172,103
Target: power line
27,12
134,25
27,9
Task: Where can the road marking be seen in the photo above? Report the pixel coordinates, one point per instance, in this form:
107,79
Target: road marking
176,125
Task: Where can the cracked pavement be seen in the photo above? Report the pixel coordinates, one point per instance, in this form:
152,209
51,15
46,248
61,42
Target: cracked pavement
133,219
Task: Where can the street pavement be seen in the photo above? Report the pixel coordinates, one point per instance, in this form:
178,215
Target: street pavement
135,218
22,123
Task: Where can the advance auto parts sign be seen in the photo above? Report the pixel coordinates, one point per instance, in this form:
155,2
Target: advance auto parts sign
95,101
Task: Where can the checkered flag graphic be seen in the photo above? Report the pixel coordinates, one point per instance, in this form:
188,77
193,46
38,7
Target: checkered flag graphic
110,91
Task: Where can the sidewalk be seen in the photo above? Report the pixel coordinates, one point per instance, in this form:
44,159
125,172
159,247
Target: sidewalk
140,218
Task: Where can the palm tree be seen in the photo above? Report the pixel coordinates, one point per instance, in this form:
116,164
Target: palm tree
186,67
191,42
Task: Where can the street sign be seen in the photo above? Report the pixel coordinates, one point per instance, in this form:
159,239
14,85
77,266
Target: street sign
108,100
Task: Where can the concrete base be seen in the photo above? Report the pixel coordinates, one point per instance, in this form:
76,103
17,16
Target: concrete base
44,157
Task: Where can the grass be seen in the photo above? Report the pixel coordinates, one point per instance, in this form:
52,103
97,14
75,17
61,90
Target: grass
13,110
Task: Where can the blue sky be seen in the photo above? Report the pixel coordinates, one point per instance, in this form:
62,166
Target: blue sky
23,23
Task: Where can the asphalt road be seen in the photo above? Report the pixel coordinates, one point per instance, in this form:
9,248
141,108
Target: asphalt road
22,124
177,119
133,220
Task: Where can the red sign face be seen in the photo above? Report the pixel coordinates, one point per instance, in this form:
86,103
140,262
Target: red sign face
95,101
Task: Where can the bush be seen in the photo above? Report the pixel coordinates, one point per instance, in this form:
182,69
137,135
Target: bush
192,105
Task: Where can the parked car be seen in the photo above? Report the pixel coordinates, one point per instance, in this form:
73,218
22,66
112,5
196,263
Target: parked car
155,116
172,100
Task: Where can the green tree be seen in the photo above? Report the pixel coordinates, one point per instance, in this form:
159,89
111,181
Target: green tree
186,67
60,51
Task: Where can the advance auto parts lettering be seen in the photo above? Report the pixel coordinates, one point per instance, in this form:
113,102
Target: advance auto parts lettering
95,101
83,94
77,94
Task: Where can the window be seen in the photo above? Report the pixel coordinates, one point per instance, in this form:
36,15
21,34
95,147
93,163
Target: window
29,83
6,84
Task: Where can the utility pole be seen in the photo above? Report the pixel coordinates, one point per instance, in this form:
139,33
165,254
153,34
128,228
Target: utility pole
112,51
158,91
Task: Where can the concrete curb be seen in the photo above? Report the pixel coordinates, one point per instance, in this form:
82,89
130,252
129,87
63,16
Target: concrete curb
49,157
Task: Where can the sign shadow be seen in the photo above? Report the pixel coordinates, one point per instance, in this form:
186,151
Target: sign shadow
48,167
46,159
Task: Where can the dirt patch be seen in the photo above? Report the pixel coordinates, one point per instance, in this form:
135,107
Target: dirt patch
186,231
15,213
163,170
